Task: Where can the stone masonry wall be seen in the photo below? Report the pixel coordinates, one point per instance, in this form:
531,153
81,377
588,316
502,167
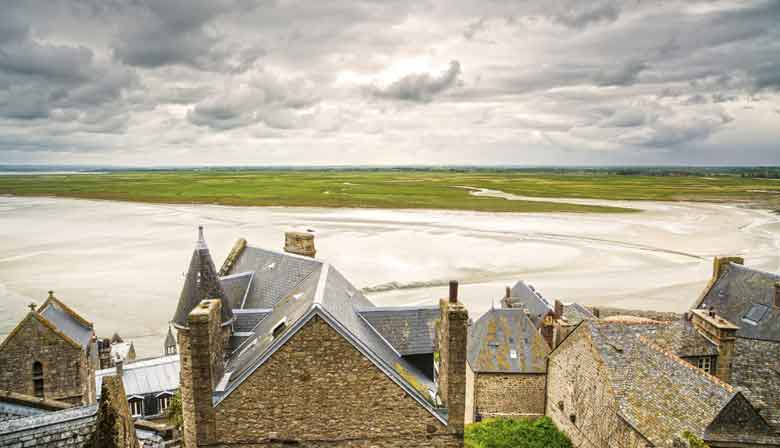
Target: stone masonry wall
63,364
74,429
580,401
511,395
319,391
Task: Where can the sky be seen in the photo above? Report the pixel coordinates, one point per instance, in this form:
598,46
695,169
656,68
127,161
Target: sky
389,82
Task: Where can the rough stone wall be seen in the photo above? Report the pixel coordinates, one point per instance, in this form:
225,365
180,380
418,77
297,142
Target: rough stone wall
114,427
457,336
320,391
509,394
65,366
580,401
200,350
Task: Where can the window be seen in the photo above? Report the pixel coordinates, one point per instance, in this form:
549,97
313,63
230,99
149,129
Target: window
37,376
705,364
136,407
164,401
170,350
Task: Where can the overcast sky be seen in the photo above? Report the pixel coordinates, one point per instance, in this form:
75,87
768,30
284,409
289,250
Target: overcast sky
234,82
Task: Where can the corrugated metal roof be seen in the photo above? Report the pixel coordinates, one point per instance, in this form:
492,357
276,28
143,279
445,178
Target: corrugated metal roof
146,376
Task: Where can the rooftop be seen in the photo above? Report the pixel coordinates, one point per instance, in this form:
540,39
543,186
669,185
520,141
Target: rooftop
505,340
145,376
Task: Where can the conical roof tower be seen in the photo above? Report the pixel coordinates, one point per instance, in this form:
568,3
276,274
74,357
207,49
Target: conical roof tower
201,283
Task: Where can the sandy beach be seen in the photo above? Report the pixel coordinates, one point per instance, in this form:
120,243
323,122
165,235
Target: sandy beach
122,264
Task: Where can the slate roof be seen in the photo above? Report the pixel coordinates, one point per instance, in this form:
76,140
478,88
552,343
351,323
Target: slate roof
236,287
659,394
145,376
682,339
67,321
574,313
505,340
247,319
326,293
275,274
756,367
47,419
525,295
201,283
744,297
410,330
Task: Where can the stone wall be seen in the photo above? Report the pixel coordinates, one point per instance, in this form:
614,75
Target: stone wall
114,427
64,364
515,395
579,398
318,390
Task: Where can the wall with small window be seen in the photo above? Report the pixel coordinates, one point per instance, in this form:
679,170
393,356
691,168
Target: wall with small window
705,363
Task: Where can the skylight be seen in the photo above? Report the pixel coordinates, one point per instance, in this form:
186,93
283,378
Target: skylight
755,314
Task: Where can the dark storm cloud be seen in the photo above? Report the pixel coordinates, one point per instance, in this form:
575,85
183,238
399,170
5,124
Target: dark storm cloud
421,87
607,76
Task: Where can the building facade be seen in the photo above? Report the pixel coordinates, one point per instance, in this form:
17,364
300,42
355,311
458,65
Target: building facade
51,354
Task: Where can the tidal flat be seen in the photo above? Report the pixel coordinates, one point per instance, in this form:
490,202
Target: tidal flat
121,264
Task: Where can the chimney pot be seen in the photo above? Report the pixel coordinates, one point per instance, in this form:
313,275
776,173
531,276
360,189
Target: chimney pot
508,292
453,291
51,294
777,294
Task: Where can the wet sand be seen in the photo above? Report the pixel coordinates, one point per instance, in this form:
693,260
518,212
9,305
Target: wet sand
122,264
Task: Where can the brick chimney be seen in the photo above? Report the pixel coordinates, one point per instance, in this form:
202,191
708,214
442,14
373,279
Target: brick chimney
452,343
300,243
720,332
776,301
201,352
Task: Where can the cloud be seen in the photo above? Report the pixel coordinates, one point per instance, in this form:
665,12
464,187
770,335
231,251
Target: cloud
577,14
421,87
620,75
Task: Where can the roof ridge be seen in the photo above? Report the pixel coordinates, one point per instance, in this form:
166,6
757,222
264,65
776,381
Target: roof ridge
652,345
70,311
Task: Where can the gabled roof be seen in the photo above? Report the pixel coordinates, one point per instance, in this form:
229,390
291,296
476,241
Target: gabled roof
756,369
145,376
574,313
658,394
409,330
67,321
744,297
524,295
274,274
201,283
325,293
505,340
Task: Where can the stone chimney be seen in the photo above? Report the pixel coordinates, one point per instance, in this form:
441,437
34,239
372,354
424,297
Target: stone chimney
776,301
119,363
114,426
300,243
558,309
452,343
720,332
202,366
719,264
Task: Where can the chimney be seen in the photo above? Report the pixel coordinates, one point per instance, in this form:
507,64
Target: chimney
776,301
507,292
558,309
720,332
300,243
452,342
201,355
719,264
119,363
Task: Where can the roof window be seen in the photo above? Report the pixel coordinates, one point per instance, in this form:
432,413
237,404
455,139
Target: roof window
755,314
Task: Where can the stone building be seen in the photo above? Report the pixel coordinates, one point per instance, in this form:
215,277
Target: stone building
748,302
150,385
280,348
50,354
610,385
507,366
553,319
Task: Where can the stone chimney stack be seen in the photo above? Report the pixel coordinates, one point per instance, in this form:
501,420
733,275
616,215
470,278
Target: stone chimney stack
776,301
452,343
300,243
558,309
202,358
722,333
119,363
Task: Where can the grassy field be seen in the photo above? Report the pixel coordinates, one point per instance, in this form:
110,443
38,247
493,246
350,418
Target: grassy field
390,189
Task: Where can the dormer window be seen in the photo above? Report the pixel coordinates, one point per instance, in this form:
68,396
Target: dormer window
163,401
136,406
705,363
